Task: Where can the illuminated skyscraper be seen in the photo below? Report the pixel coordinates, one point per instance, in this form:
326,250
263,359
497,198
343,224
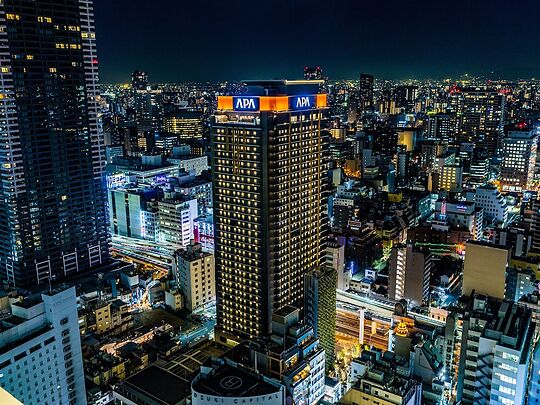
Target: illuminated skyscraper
519,158
52,215
270,182
479,116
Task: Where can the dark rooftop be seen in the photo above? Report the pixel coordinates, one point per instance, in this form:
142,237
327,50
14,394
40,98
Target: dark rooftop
282,87
218,383
160,385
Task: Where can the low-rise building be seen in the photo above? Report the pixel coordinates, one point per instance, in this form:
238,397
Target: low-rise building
383,379
227,384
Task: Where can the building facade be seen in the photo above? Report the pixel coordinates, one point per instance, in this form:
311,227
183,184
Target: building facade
496,352
519,159
409,274
196,276
52,210
479,113
320,309
41,358
269,188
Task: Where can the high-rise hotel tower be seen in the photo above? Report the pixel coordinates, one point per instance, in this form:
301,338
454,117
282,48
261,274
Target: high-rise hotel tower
52,216
269,151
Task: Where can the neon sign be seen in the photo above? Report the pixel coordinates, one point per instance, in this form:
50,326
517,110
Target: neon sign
302,102
246,103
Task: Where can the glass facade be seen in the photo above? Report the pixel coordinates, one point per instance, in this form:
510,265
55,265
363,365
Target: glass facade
52,206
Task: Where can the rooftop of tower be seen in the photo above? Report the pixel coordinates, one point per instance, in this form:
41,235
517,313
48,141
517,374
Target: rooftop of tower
282,87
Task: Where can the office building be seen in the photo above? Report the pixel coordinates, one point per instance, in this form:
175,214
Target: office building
535,224
517,239
479,115
175,220
269,190
335,258
451,178
166,142
366,92
519,283
490,199
195,276
52,209
484,261
533,391
149,114
406,138
519,159
41,358
460,216
496,348
203,232
409,274
186,124
320,309
190,164
479,168
133,213
405,97
441,127
154,385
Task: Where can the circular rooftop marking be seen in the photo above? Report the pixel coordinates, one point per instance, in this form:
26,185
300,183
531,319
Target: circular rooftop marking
231,383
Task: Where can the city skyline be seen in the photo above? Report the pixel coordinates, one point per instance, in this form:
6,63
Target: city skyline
234,222
181,42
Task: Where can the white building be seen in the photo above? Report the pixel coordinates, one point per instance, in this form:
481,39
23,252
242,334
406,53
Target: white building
463,215
194,164
196,276
490,199
40,355
519,158
176,220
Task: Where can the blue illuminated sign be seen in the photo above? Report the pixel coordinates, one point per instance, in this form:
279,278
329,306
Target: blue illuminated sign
246,103
462,207
302,102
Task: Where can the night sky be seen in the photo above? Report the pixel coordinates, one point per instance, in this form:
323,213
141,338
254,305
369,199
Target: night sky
210,40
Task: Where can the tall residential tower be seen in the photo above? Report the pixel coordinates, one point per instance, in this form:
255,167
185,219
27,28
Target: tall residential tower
269,151
52,216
